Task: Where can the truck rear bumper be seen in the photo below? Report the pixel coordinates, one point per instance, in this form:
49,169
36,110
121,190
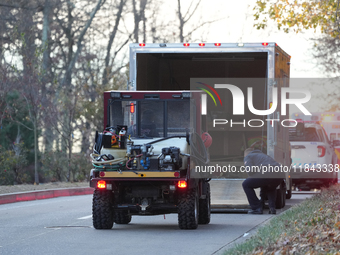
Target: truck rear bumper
139,174
154,209
93,181
316,174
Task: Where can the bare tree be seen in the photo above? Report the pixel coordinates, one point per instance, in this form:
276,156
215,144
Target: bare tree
73,56
139,15
113,33
185,18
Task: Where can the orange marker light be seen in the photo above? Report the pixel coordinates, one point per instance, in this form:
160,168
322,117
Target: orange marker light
182,184
101,184
270,105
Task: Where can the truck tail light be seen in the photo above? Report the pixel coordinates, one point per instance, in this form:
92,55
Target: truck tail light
182,184
186,44
132,108
265,44
321,151
101,184
142,44
217,44
201,44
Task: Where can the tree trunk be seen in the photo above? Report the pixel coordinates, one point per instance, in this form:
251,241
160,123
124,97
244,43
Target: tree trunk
181,22
69,158
137,20
73,60
183,19
48,131
107,70
138,14
45,36
36,175
28,45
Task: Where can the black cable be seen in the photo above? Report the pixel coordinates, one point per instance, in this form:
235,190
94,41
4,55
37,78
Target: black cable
99,144
166,138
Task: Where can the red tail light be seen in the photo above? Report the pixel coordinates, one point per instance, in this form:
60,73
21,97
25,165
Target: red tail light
142,44
186,44
217,44
201,44
265,44
101,184
182,184
132,107
321,151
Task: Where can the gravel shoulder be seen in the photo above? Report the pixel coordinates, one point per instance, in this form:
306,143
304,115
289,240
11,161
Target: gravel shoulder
5,189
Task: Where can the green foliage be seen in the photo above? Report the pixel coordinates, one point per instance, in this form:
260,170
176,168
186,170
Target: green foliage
298,15
16,112
13,165
80,167
54,165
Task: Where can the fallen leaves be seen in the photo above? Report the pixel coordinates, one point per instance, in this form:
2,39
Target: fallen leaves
317,232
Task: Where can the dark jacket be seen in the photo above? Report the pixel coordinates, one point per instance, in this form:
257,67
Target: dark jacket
265,164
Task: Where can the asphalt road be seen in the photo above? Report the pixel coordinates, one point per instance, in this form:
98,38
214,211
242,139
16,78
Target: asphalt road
64,226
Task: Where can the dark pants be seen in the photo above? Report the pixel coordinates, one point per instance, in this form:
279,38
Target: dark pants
268,186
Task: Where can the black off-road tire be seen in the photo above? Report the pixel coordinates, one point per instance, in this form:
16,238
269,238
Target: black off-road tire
284,197
102,211
188,210
280,198
204,206
122,217
289,191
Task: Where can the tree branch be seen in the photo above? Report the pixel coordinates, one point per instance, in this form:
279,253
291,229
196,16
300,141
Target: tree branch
80,40
192,13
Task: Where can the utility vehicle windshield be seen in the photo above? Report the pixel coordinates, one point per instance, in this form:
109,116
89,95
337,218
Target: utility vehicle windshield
151,118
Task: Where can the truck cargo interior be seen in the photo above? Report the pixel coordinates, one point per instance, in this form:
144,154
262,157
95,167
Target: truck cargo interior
173,71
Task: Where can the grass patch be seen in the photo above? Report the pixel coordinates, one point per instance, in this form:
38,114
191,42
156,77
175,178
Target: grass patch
311,227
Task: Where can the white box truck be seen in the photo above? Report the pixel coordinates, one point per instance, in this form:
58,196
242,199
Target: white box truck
171,66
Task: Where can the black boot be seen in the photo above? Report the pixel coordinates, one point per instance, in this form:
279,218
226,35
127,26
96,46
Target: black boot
272,211
256,211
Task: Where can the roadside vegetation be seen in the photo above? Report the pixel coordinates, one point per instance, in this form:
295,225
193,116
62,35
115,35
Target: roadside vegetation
56,59
312,227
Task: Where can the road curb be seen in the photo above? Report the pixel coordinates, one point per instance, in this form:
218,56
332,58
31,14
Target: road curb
43,194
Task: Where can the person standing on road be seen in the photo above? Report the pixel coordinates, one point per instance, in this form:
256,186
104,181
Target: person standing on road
266,181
